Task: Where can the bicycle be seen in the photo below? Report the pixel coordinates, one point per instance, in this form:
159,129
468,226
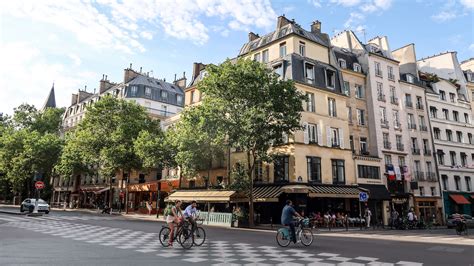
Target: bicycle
303,234
461,228
199,234
182,234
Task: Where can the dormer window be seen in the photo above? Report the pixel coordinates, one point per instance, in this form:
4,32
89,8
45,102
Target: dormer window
179,99
374,48
133,90
357,67
309,73
147,91
410,78
342,63
278,69
330,78
203,74
164,95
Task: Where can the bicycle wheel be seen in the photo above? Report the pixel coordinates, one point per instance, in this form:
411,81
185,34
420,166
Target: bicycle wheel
306,237
186,239
282,240
199,236
164,236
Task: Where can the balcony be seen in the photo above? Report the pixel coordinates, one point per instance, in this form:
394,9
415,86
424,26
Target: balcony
419,106
394,100
409,104
364,153
412,126
427,152
400,147
381,98
387,145
430,176
415,151
384,123
419,176
423,128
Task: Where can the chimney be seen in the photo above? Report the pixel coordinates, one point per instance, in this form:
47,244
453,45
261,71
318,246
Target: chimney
282,21
316,26
180,82
253,36
197,67
104,84
129,74
74,99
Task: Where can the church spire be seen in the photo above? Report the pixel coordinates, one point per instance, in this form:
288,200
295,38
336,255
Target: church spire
51,100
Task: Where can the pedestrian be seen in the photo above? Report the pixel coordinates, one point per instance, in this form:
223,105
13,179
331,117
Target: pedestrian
368,215
149,207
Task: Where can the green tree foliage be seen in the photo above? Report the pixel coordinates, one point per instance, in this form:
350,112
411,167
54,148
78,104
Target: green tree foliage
256,108
154,148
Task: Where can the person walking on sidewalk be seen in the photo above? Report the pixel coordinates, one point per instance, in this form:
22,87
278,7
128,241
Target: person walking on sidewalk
149,207
368,215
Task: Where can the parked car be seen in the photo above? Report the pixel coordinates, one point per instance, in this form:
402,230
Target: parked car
468,218
29,205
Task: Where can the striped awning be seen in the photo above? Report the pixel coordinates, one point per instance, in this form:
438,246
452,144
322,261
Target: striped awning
266,193
205,196
334,191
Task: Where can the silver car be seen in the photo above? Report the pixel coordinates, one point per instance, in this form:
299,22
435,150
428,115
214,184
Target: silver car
29,205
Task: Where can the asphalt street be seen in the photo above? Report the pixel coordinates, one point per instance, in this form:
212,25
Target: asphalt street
73,238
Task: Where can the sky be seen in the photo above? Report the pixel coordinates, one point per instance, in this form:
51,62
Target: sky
73,43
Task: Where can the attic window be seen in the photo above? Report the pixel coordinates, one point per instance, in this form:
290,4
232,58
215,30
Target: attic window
282,33
357,67
342,63
253,45
147,91
133,90
309,73
330,79
410,78
278,68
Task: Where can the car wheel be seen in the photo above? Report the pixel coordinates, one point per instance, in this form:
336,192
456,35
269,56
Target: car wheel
31,209
21,209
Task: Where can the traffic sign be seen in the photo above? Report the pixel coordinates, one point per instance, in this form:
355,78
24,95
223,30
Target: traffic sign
363,196
39,184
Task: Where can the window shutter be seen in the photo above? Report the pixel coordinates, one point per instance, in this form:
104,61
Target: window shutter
341,138
320,135
306,133
328,136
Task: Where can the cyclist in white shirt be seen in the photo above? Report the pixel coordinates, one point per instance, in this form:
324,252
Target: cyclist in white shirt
189,213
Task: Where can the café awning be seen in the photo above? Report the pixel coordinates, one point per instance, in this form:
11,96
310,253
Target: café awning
266,193
459,199
334,191
206,196
376,192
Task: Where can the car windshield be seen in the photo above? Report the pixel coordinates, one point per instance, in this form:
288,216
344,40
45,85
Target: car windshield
39,201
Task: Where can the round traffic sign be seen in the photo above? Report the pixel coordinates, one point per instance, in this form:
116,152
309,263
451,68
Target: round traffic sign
39,184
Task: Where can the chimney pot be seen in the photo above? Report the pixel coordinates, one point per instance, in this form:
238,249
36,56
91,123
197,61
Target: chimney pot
140,70
130,66
105,77
282,21
253,36
316,26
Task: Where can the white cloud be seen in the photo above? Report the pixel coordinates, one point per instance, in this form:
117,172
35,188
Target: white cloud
26,77
315,3
376,5
444,16
468,3
355,18
75,59
123,25
345,3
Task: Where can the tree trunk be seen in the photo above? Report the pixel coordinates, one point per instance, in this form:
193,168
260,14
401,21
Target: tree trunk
251,175
110,193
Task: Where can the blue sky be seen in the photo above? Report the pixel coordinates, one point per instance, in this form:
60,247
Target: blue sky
72,43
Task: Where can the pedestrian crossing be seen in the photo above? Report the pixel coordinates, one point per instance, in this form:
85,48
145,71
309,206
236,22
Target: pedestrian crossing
213,252
11,218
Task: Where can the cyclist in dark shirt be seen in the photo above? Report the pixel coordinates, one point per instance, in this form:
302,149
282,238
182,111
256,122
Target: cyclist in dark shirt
287,215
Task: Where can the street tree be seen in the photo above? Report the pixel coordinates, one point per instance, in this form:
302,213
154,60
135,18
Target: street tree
256,106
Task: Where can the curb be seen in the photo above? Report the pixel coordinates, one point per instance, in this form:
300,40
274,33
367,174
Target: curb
13,213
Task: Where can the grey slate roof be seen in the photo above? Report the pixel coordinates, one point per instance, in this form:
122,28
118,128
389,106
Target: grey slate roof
284,31
51,100
349,57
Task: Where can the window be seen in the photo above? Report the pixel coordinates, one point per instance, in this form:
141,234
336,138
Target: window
357,67
423,126
361,117
281,167
310,102
258,171
192,96
433,112
309,73
452,155
179,99
334,137
386,142
192,183
449,135
349,114
433,191
399,142
393,95
265,56
408,101
446,114
457,182
401,161
141,178
359,91
414,146
278,69
367,171
442,95
444,179
380,94
419,102
429,169
411,121
459,136
426,147
312,130
346,88
388,159
469,138
383,115
378,69
332,107
468,183
164,95
452,97
390,73
256,57
338,174
422,191
466,118
456,116
437,133
463,159
302,49
282,49
342,63
314,169
440,157
133,90
363,145
330,78
410,78
396,119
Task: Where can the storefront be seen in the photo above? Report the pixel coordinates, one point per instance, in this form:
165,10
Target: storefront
140,194
378,203
429,209
460,202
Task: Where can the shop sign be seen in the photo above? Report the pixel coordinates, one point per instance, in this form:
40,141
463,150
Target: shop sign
399,200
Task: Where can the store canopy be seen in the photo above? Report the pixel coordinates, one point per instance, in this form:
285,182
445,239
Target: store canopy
267,193
459,199
102,190
376,192
334,191
206,196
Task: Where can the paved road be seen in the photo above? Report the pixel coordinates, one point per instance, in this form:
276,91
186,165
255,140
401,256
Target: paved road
71,238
